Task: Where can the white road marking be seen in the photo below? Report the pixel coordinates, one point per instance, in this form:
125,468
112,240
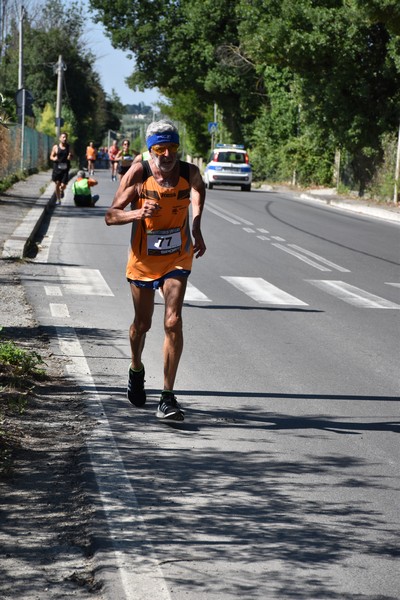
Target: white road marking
261,230
228,215
59,311
135,565
301,257
193,294
264,237
353,295
216,212
44,249
278,238
263,292
85,282
320,258
248,230
52,290
394,284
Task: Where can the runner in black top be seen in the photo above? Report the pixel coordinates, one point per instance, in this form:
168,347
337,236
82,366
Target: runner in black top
61,157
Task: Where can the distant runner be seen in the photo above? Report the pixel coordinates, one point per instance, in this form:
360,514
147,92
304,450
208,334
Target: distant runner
61,157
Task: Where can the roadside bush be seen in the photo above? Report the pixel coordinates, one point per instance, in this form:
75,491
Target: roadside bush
382,184
18,370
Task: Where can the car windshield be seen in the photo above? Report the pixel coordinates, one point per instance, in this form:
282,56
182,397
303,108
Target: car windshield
232,157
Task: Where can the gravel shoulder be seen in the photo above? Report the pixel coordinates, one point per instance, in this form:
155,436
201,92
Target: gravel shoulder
45,516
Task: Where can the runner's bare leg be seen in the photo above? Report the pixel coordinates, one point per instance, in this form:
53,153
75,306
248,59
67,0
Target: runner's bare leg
174,293
143,302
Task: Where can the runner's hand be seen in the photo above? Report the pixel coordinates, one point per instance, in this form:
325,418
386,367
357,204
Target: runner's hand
199,246
148,208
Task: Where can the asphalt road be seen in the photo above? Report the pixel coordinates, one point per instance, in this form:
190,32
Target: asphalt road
283,480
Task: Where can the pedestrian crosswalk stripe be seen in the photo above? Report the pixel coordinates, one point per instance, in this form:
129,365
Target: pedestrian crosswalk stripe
84,282
353,295
263,292
193,294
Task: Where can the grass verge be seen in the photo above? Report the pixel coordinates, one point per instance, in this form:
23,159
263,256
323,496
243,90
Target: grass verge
20,369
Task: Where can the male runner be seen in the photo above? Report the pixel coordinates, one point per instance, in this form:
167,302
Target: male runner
160,191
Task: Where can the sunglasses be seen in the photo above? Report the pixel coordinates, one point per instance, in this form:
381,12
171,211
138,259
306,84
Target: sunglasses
160,150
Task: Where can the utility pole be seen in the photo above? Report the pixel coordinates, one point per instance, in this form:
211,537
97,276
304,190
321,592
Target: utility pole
397,171
3,24
60,68
213,133
21,81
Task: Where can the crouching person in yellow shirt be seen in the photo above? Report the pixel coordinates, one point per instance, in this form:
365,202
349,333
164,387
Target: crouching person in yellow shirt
81,189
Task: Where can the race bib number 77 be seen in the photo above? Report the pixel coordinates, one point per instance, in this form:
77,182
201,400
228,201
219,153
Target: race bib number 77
164,241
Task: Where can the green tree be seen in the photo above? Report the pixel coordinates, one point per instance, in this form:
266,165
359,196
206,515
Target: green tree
60,31
184,49
46,120
348,80
289,78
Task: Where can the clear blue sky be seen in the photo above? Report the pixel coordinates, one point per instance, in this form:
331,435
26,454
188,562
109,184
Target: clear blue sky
113,66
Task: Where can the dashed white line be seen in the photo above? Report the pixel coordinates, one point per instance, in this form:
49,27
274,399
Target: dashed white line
59,311
52,290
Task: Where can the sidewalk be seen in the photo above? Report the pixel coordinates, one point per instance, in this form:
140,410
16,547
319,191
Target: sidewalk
22,210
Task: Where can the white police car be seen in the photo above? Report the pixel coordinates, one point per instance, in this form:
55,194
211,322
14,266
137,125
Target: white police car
228,165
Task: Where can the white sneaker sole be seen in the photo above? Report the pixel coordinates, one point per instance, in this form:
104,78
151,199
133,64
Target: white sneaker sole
176,417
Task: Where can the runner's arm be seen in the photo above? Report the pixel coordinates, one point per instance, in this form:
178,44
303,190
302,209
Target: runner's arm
198,196
128,192
53,155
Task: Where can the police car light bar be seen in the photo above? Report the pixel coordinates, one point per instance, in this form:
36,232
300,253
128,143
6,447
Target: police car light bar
239,146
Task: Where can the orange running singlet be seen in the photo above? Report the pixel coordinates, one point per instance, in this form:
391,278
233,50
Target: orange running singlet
91,153
162,243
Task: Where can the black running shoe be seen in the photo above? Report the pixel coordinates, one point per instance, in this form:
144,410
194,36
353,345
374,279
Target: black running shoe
169,408
136,393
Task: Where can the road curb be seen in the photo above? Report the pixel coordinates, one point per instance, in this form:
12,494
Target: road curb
372,211
18,244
